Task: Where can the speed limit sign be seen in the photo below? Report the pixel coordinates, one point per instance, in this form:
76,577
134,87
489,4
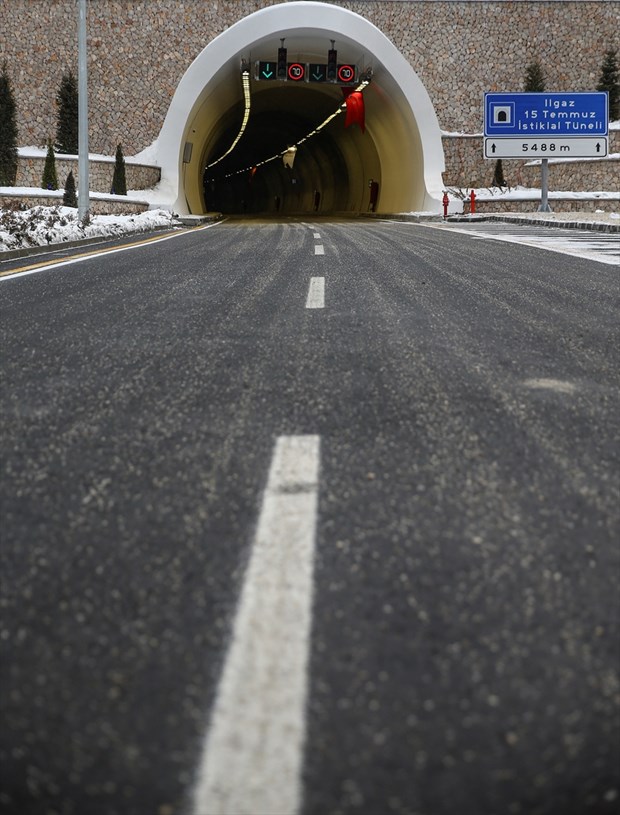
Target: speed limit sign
296,71
346,74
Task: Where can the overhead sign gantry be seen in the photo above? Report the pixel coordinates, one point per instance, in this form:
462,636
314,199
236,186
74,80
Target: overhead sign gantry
332,71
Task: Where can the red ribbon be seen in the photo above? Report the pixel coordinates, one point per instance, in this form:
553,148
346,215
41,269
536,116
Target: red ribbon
355,108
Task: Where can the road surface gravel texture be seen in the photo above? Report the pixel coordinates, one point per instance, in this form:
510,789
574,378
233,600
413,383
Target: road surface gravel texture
463,657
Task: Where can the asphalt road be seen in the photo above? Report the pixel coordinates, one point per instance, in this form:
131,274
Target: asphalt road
463,657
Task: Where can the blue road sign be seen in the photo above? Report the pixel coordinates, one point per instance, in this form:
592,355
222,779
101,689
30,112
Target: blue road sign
546,114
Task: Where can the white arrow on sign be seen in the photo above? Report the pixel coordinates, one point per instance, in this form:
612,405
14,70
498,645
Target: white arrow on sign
560,147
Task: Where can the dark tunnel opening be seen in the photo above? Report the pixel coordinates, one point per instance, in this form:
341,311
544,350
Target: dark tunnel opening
320,178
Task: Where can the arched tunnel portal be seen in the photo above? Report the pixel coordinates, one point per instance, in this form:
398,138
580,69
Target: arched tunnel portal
399,157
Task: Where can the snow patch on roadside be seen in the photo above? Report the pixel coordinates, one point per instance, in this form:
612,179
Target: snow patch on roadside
40,226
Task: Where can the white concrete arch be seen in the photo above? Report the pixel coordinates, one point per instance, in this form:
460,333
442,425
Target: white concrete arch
401,120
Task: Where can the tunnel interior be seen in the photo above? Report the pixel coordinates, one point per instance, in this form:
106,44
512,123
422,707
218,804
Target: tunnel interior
396,162
331,171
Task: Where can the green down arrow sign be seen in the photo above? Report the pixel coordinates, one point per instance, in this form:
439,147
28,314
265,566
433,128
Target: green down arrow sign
317,72
265,70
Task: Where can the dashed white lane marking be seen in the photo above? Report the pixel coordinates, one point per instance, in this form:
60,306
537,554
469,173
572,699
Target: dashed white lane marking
319,249
316,293
317,234
253,751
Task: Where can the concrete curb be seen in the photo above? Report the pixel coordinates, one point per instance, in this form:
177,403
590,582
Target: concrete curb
199,220
586,225
400,216
513,217
592,225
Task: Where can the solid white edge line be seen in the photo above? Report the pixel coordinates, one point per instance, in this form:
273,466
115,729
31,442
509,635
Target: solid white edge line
96,254
253,751
316,293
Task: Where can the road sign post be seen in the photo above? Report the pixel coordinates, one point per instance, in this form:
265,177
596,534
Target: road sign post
544,186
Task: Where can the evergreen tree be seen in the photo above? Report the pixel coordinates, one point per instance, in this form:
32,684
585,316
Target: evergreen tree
50,179
534,79
67,123
610,82
69,199
8,131
119,181
498,175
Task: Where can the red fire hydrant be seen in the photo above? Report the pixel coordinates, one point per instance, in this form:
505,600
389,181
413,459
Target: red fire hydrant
472,202
445,202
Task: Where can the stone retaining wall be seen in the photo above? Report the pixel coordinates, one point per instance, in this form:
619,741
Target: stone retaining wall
95,206
139,176
465,168
556,204
140,49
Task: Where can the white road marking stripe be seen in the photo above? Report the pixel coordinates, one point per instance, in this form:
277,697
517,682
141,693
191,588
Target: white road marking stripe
567,245
316,293
317,235
319,249
252,759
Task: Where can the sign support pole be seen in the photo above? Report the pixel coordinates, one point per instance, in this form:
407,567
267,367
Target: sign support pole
83,183
544,186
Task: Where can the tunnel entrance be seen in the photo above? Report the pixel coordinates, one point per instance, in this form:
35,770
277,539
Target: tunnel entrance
328,172
398,159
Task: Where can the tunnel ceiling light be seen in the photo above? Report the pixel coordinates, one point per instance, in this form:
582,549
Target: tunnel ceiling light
362,85
245,79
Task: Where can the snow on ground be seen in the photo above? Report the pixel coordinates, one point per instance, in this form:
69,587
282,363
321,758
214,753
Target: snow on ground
40,226
608,157
598,217
136,196
147,156
531,194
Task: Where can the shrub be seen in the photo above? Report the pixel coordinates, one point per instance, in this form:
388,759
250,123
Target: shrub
8,131
610,82
50,179
119,180
67,123
69,199
534,78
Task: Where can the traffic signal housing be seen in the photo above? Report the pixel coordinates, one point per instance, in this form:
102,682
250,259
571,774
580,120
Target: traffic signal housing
282,66
332,65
